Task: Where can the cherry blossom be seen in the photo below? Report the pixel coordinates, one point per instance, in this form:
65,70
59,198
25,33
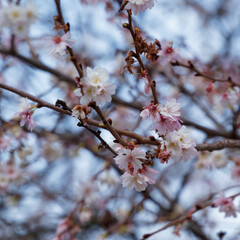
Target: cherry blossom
137,181
166,117
25,114
171,110
5,142
59,44
139,5
168,53
226,205
95,87
18,18
218,158
151,111
180,144
127,156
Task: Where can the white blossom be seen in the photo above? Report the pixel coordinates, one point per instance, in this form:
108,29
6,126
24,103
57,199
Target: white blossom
180,144
137,181
139,5
95,87
171,110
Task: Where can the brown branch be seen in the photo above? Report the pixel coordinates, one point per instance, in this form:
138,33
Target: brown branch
38,64
191,66
65,78
227,143
60,19
187,216
140,139
138,57
108,125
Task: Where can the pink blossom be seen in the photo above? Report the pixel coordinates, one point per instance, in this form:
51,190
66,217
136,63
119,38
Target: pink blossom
66,230
226,205
171,110
150,173
127,156
231,96
59,44
25,114
139,5
164,125
140,179
147,88
168,53
150,111
11,171
5,142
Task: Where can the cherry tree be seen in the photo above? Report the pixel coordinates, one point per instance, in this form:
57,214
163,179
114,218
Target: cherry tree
117,122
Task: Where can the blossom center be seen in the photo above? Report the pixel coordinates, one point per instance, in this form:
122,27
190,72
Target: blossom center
15,14
96,80
169,50
57,40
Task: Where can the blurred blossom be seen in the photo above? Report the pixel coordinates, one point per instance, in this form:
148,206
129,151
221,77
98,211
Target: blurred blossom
85,215
57,44
219,158
108,178
5,142
168,53
25,114
236,172
18,18
88,192
226,205
139,5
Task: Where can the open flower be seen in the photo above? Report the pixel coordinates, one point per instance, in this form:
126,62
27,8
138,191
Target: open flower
226,205
25,114
59,44
180,144
127,156
139,5
139,180
95,87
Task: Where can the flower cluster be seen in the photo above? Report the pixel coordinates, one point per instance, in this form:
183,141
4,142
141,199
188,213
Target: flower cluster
25,113
226,205
217,159
57,44
139,5
166,117
18,18
178,143
95,87
137,173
